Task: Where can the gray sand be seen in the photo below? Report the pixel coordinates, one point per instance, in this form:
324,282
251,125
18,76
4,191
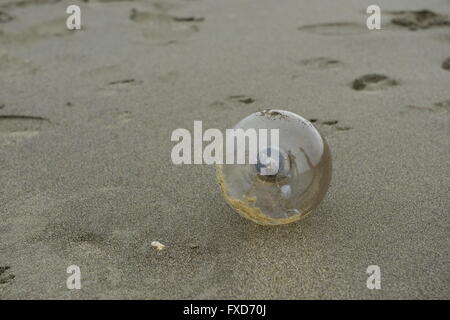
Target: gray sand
91,182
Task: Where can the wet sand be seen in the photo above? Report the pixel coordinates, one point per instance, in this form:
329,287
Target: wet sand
86,176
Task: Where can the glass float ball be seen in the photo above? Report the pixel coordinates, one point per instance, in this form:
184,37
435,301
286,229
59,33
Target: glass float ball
288,189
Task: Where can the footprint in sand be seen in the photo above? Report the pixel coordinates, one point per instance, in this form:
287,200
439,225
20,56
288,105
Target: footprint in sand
162,26
119,118
242,99
446,64
335,28
166,6
328,127
117,86
436,107
421,19
68,234
373,82
5,275
87,218
15,128
320,63
123,82
52,28
24,3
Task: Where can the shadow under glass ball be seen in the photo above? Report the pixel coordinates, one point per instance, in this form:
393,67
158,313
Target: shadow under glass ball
283,186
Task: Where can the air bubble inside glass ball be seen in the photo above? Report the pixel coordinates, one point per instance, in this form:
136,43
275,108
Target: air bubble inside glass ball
285,184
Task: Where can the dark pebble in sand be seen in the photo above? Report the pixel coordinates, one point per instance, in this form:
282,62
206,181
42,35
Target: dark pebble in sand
133,14
446,64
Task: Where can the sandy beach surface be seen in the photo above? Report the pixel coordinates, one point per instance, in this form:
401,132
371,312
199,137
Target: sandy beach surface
86,176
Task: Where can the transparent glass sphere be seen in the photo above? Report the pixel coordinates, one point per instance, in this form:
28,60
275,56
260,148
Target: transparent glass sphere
274,192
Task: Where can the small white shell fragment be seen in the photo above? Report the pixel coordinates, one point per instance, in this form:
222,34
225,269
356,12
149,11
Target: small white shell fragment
158,245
